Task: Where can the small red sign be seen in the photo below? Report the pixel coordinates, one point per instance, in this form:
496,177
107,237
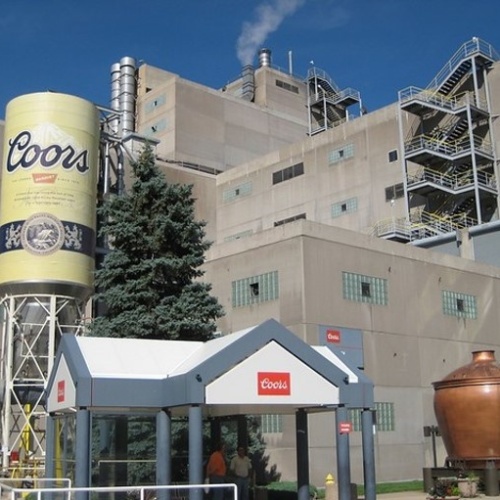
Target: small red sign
345,427
43,178
60,391
273,384
333,336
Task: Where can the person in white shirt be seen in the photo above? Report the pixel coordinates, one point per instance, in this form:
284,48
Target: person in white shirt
241,469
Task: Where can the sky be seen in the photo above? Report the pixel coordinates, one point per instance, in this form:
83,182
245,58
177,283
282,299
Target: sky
377,47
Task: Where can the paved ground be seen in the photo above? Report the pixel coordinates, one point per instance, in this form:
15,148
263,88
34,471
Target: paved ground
417,495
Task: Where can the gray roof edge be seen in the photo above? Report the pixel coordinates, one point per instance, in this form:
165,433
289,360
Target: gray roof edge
258,337
80,374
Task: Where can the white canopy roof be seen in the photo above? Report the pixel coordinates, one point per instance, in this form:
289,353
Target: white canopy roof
258,370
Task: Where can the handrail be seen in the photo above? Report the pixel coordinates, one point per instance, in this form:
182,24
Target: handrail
449,148
413,93
453,103
313,73
474,46
453,181
334,97
141,492
428,224
393,226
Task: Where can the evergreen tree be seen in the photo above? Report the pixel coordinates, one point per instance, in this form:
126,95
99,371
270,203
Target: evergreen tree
148,281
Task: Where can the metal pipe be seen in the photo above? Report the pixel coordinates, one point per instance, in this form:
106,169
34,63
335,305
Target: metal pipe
264,57
127,94
114,122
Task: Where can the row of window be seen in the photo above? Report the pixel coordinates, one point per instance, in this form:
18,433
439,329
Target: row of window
384,420
237,236
340,154
289,219
285,174
369,289
356,287
287,86
288,173
394,192
344,207
155,103
155,128
243,189
255,289
337,209
363,288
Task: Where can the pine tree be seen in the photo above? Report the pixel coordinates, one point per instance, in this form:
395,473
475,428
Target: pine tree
149,280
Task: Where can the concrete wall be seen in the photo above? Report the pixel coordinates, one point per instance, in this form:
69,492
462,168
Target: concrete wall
408,343
205,126
363,176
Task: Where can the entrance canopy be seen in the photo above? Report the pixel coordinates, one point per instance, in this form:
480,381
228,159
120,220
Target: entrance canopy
263,369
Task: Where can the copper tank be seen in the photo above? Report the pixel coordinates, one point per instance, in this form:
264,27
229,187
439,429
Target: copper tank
467,408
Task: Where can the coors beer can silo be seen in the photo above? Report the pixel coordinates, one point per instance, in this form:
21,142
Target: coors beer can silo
48,195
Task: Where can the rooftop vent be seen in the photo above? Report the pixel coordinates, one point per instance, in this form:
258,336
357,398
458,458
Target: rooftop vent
264,57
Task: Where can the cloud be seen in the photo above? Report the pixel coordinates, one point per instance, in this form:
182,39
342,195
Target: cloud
269,16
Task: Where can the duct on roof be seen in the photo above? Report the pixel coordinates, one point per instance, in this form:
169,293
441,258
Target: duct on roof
248,83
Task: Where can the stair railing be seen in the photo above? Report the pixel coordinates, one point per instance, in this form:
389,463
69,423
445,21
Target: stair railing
468,49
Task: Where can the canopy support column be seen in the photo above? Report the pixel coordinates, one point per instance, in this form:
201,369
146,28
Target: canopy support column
163,452
242,431
343,459
195,451
82,452
368,454
50,437
302,450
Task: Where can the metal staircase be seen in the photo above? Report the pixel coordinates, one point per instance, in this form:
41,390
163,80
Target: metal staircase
449,160
327,103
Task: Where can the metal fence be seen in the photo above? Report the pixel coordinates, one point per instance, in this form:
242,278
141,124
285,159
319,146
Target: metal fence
64,491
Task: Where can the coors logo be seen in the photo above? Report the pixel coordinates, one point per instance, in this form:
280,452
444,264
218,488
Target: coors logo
273,384
333,336
60,391
30,148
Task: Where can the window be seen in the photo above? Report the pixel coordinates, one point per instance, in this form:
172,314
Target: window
393,155
155,103
287,86
362,288
289,219
394,192
156,127
460,305
271,424
344,207
255,289
340,154
235,192
288,173
237,236
384,417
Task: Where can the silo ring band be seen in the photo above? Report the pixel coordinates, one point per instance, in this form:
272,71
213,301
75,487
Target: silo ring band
44,234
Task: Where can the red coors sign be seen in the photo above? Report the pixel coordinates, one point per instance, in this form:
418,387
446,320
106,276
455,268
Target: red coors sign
273,384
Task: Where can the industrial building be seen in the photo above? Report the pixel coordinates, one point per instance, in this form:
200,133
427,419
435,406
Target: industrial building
303,192
374,233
